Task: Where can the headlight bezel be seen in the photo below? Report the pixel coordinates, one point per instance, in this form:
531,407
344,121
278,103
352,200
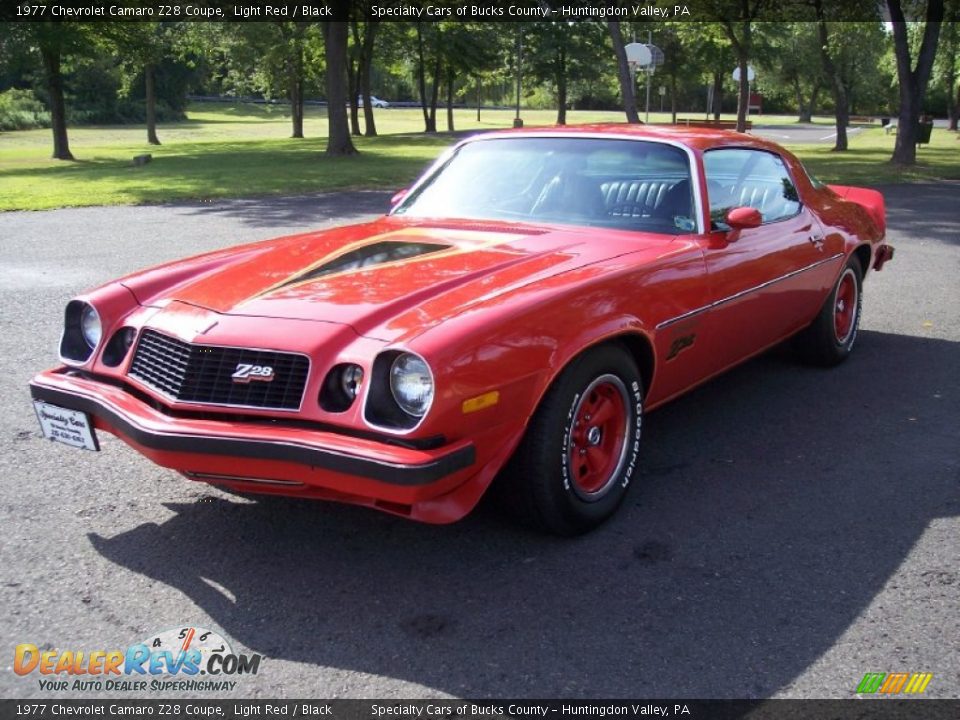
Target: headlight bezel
343,384
89,313
381,409
403,403
75,348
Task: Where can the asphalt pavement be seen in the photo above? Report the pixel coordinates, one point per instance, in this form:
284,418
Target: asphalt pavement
793,528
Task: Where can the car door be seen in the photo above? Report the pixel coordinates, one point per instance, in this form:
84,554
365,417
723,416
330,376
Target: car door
765,282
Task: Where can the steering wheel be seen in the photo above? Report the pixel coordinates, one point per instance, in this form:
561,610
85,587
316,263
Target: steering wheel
547,195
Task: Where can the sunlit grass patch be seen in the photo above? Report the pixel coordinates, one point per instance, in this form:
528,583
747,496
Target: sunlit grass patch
237,150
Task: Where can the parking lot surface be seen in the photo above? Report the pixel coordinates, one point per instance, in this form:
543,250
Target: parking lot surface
794,528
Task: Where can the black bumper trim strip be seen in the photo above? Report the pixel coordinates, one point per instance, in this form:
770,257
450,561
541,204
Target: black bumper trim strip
264,449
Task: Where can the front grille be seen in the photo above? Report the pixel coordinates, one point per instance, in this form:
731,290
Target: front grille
203,373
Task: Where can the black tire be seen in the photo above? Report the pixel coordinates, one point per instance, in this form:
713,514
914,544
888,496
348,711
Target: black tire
830,338
552,485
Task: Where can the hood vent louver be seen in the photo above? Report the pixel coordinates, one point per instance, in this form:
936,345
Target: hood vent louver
378,253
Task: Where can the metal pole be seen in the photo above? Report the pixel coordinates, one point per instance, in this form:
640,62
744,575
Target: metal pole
646,118
517,122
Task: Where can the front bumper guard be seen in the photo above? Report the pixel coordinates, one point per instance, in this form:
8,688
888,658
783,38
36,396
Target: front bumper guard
346,455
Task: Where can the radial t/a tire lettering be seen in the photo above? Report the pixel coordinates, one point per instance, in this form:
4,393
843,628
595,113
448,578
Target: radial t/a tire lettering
580,452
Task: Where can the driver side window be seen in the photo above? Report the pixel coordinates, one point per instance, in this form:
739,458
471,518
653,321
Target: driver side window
740,177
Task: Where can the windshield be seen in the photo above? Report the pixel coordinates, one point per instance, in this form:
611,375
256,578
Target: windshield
624,184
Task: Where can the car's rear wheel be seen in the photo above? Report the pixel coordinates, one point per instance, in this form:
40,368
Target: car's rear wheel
830,338
579,454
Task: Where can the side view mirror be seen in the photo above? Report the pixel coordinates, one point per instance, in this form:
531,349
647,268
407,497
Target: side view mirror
742,218
398,196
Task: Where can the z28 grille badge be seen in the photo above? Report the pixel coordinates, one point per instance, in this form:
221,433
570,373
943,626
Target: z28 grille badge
246,372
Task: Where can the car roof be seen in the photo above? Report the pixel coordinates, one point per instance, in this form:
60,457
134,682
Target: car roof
698,138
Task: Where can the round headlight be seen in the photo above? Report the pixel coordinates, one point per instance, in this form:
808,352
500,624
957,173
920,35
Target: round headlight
411,384
90,326
351,379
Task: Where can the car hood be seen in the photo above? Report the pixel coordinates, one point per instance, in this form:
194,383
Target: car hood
364,275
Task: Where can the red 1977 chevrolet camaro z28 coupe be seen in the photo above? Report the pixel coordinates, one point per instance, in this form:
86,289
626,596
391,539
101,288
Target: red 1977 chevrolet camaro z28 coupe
514,315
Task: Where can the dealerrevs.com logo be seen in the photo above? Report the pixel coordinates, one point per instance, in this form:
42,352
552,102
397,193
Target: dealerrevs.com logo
189,659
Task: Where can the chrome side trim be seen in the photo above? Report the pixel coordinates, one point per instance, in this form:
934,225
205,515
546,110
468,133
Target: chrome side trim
735,296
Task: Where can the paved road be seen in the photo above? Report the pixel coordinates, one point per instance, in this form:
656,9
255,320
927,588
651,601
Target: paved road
795,528
806,133
809,133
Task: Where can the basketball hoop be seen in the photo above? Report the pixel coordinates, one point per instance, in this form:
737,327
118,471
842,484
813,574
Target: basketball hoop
656,58
638,55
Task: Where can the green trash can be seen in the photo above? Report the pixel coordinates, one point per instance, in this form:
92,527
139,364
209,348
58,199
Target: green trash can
924,128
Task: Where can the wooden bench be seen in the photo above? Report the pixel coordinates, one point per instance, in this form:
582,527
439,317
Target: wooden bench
711,124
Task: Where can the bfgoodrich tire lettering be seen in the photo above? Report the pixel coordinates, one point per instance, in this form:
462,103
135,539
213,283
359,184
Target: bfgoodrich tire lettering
581,449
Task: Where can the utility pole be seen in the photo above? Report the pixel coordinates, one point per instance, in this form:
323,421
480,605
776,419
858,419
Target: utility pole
646,118
517,122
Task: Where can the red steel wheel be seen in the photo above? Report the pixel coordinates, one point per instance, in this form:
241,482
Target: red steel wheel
597,438
581,449
845,306
830,338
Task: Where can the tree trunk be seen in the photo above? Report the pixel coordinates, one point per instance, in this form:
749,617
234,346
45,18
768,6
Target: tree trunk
450,127
717,95
335,52
366,62
913,81
811,108
743,96
353,79
623,72
422,80
431,125
478,98
798,95
562,86
296,107
837,85
954,111
741,46
296,94
950,42
58,109
151,103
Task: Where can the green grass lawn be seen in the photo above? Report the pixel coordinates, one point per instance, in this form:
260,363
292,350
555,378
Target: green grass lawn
244,150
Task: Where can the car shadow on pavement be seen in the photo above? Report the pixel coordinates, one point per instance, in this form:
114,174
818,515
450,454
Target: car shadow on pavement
773,506
920,207
302,212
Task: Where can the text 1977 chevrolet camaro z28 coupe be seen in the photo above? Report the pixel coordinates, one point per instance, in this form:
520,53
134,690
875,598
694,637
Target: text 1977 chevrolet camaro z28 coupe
514,315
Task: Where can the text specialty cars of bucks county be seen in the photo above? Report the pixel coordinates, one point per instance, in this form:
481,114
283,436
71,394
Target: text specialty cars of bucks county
511,319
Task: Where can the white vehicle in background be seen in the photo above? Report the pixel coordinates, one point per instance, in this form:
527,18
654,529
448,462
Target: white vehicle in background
374,100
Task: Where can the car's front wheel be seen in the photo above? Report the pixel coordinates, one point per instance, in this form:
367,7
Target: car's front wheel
830,338
580,451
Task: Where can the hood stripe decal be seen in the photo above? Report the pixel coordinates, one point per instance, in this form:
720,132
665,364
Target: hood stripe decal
330,265
376,253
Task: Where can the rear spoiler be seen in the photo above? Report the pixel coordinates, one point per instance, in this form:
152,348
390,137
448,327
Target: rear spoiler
870,200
